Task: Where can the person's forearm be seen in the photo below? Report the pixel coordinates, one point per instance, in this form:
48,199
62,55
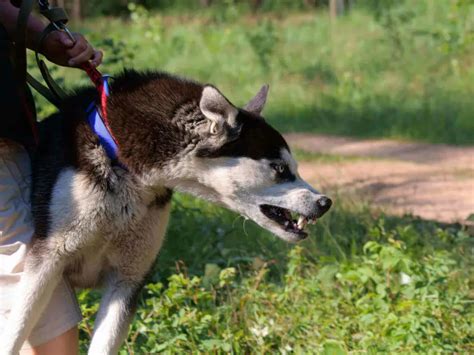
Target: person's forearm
58,47
8,17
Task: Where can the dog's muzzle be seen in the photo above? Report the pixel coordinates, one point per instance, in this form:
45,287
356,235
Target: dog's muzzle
294,222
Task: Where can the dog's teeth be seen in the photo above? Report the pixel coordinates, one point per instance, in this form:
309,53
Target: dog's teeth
302,221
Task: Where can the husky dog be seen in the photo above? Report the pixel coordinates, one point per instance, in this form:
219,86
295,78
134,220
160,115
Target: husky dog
102,223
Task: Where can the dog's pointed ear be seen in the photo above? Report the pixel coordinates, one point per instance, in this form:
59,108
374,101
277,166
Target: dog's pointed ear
217,108
257,104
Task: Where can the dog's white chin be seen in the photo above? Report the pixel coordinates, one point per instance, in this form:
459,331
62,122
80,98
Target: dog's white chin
253,212
274,228
282,234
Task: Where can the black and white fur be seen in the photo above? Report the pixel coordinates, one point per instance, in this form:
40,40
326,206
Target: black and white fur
101,224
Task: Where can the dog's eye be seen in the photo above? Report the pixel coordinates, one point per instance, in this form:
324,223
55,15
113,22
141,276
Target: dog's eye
279,168
283,172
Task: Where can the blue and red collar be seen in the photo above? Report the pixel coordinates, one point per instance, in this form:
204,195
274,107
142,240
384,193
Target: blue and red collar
98,120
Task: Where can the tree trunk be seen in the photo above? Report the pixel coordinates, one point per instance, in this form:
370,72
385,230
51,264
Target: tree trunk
348,5
256,4
336,8
76,11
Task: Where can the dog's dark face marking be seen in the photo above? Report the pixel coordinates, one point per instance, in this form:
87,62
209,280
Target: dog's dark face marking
257,140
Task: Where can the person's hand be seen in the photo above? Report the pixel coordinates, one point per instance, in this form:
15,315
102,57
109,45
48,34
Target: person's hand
61,50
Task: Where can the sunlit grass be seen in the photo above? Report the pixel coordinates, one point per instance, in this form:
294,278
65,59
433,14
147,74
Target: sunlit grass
339,78
361,282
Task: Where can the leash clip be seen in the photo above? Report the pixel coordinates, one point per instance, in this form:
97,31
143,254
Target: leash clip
61,26
57,16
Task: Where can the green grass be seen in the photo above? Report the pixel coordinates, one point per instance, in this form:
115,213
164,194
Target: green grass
303,155
360,77
222,286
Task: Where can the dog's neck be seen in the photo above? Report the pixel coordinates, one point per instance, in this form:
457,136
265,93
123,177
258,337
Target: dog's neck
154,118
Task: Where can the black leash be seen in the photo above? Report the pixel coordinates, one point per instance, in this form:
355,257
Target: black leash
20,64
53,92
58,19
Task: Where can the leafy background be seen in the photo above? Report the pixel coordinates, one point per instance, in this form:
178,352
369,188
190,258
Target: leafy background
364,281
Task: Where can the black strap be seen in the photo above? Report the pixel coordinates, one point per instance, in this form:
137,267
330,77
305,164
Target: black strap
53,92
55,14
20,40
43,90
20,64
56,94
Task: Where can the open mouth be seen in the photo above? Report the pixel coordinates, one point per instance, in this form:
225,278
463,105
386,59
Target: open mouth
288,220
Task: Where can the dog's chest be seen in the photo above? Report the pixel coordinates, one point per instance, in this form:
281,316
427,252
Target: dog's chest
106,250
100,229
80,203
129,253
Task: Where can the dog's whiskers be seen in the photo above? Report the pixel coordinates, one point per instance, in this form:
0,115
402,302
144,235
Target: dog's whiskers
243,225
236,219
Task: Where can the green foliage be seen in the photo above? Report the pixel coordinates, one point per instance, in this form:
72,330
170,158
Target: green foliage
457,33
263,41
401,71
393,16
118,7
451,26
301,155
381,285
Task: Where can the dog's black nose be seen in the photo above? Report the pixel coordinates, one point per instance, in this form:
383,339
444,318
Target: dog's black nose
323,204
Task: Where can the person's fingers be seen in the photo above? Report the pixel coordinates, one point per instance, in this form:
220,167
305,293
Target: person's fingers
82,57
79,47
97,58
60,49
64,39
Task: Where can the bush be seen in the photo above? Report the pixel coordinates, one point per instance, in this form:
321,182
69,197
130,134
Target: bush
392,291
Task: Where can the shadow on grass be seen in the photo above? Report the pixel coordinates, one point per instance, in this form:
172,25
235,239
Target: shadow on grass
441,119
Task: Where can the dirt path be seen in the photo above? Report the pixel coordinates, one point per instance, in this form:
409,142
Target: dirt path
434,182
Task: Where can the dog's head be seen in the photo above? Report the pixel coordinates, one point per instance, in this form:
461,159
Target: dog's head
243,163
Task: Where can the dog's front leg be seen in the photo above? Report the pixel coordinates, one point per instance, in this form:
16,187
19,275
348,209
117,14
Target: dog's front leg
115,314
40,278
135,256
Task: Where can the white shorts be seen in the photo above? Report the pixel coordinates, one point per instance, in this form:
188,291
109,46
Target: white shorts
16,230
